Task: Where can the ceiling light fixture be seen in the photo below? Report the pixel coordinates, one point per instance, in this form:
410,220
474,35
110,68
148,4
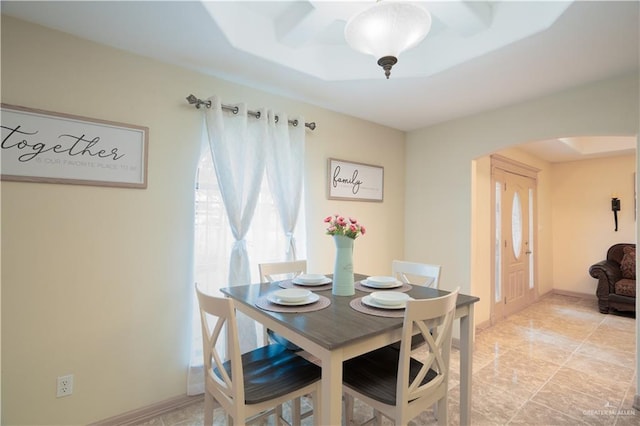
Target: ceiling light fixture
386,29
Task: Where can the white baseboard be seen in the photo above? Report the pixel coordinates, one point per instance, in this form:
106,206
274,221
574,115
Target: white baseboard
483,325
144,414
572,293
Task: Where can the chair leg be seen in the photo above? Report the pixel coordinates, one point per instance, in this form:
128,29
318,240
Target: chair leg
278,415
296,410
348,409
443,414
377,415
315,399
208,409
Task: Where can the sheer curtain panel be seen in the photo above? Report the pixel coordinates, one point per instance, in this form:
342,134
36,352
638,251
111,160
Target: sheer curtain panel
237,146
238,150
285,172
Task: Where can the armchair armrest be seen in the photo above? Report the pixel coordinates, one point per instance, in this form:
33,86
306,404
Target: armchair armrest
608,273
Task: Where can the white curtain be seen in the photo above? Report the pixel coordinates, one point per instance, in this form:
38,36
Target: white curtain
224,241
238,149
285,171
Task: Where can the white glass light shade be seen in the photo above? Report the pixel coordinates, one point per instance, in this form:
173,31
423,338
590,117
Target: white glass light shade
387,28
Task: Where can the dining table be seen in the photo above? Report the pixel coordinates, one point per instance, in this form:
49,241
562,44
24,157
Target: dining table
336,332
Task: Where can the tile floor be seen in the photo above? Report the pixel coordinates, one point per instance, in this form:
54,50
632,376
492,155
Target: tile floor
559,362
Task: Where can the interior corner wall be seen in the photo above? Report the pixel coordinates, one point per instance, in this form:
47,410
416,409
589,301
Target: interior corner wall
438,160
583,223
96,281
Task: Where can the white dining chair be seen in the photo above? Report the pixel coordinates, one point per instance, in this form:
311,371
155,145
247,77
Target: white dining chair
414,273
278,271
397,384
255,384
423,274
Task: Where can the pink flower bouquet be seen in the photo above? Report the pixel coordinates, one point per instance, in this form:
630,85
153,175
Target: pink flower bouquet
338,225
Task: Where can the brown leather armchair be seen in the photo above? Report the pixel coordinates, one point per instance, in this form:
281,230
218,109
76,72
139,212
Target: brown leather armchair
616,277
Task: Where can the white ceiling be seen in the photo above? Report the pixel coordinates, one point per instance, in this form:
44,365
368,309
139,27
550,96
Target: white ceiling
479,55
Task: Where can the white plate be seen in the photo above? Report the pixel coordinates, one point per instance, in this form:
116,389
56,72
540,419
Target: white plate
367,300
296,281
309,300
311,278
292,294
368,283
381,279
389,298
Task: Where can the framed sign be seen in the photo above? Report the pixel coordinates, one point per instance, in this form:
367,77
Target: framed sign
354,181
43,146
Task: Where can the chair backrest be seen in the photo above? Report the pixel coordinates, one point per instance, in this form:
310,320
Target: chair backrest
433,318
216,315
416,273
276,271
616,251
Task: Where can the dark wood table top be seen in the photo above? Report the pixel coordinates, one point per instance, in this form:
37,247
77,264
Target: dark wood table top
338,324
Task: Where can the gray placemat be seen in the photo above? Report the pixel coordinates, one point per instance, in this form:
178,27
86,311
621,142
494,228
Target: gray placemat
405,287
389,313
290,284
264,303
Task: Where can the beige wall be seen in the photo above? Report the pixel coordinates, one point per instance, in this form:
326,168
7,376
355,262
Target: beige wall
438,225
97,281
583,225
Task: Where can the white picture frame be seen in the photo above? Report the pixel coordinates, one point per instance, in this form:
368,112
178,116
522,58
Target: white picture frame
348,180
51,147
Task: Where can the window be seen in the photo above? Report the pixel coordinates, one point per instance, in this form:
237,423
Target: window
213,238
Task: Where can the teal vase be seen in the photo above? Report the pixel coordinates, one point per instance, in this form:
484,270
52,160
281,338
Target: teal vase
343,268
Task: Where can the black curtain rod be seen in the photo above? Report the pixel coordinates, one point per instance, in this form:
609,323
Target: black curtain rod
207,104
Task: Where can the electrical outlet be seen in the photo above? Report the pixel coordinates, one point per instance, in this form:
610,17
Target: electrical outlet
65,385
